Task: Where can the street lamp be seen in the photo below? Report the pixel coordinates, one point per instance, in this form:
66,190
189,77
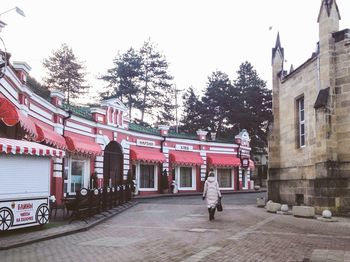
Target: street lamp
18,10
4,56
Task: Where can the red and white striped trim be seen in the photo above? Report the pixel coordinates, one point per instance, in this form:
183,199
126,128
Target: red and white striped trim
11,146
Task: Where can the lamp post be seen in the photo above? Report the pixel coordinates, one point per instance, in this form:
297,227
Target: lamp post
18,10
4,57
176,106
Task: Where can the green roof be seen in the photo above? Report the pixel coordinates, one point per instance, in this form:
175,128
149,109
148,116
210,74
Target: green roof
84,112
142,129
183,135
81,111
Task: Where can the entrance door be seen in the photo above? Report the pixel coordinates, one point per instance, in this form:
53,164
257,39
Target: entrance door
243,178
237,178
113,164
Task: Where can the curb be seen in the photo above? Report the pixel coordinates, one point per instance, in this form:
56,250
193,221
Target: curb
115,211
196,194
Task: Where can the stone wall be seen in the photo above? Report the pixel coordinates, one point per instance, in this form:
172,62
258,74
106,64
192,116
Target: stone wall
320,171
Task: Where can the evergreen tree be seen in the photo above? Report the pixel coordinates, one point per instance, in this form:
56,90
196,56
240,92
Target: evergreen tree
65,73
38,88
141,80
156,89
192,119
123,79
255,103
217,105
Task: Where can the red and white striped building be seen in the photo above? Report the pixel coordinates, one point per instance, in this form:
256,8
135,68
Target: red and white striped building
103,148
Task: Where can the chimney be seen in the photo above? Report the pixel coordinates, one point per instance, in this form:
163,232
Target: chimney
98,114
201,134
56,98
22,70
164,130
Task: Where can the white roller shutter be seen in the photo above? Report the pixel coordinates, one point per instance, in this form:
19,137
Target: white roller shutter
24,177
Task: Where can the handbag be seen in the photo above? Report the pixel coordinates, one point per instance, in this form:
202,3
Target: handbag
219,206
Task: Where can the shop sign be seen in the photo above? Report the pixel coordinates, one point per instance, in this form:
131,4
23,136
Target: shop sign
24,211
245,162
184,147
141,142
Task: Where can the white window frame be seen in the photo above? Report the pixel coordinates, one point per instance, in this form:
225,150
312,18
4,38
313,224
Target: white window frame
177,178
86,173
301,122
138,175
232,177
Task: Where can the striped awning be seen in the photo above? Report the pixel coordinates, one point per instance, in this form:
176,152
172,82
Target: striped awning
10,116
251,164
223,160
82,146
146,154
185,158
50,137
22,147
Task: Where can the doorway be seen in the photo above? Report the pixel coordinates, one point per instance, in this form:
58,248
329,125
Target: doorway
113,164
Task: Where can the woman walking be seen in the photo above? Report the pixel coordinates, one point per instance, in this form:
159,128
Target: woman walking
211,193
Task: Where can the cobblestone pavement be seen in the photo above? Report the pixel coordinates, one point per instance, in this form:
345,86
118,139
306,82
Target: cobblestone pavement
179,230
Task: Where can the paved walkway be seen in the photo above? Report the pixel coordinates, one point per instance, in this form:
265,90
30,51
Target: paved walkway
57,228
176,231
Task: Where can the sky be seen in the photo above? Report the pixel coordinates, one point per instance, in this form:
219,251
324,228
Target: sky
197,37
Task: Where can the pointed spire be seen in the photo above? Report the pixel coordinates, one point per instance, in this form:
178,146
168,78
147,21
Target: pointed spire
291,68
327,4
278,41
277,47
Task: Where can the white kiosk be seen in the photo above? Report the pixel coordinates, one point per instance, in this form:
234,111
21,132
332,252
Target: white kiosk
25,169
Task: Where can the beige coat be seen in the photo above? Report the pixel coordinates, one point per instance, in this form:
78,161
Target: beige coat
211,191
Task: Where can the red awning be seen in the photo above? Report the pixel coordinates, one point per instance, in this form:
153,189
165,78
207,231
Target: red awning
185,158
8,112
223,160
50,137
79,145
10,116
11,146
147,154
251,164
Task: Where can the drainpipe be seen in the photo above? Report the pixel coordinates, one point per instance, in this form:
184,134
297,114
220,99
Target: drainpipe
64,125
65,119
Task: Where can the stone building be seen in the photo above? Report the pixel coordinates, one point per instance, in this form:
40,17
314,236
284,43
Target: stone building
309,144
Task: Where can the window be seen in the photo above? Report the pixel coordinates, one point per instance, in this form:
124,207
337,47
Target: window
147,176
75,174
301,122
224,176
185,176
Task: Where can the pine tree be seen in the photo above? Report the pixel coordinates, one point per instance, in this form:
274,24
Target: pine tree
255,103
65,73
38,88
156,89
192,119
217,103
123,79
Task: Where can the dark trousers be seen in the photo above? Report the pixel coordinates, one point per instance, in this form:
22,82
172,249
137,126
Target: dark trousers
211,212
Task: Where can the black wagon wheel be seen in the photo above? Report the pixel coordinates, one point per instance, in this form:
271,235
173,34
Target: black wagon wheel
42,214
6,219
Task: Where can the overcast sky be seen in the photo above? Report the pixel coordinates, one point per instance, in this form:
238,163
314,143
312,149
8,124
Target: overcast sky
196,36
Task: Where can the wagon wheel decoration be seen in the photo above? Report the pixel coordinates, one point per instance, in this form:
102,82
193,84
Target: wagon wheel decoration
6,219
42,215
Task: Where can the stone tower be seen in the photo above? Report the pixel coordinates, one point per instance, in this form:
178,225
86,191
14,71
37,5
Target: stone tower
328,20
274,136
